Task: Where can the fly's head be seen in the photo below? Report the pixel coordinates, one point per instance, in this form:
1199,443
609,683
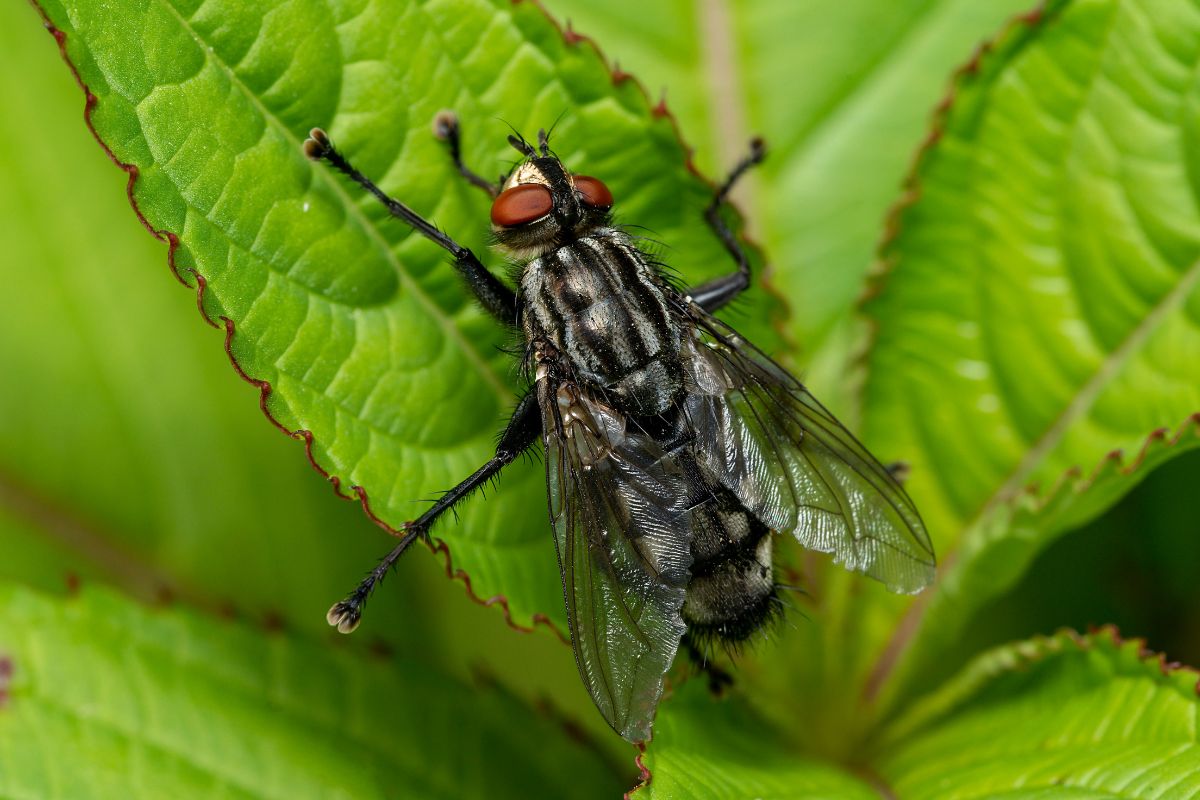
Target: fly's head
541,205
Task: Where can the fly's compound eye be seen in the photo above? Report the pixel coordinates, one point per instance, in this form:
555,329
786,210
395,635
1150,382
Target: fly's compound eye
521,204
593,191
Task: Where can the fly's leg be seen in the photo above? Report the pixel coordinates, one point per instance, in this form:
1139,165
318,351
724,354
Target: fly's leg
900,470
523,429
713,294
492,294
718,679
445,127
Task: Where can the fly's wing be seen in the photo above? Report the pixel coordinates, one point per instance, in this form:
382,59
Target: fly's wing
622,528
761,434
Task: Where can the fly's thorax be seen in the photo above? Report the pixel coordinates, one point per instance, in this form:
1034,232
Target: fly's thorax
599,305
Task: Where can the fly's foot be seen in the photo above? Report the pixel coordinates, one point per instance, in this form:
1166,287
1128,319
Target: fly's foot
719,680
900,470
317,146
445,126
345,614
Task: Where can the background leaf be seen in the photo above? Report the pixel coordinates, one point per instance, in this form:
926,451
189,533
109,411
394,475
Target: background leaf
169,704
1056,341
1059,716
995,555
1064,716
1041,302
1133,567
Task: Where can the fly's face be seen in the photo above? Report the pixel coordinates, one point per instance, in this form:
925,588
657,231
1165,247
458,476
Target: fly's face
541,205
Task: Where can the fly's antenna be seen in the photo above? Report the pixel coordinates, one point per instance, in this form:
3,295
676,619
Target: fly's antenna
550,131
544,142
521,146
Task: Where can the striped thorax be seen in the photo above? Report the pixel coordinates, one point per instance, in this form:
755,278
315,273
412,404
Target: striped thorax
600,305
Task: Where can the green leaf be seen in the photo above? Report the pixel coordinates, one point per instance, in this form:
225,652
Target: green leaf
128,454
1040,308
131,455
106,699
1063,716
363,332
1040,305
1099,573
708,750
994,556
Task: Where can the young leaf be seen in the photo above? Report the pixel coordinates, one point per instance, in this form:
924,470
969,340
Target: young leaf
102,698
1077,716
362,332
1090,713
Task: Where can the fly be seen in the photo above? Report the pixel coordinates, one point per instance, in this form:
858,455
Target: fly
673,446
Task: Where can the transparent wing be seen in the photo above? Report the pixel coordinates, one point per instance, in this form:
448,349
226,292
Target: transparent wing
622,528
763,436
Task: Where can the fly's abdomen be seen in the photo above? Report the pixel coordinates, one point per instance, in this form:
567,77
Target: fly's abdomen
599,303
732,593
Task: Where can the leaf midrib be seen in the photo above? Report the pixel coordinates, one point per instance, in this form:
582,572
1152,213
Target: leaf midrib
1018,479
472,354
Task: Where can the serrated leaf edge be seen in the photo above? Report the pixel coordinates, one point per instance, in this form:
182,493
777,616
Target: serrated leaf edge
1017,655
1021,24
1033,499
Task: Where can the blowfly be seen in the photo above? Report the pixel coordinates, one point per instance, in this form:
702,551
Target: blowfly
673,446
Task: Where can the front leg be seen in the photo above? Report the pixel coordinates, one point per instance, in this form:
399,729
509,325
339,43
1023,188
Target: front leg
719,291
445,127
523,429
492,294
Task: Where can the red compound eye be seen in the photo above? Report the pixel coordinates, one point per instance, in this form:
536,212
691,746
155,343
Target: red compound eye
594,192
521,204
